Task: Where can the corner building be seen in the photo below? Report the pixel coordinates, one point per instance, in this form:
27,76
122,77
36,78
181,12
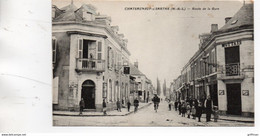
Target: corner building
88,59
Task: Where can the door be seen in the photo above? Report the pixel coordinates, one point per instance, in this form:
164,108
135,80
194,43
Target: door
88,94
214,94
234,99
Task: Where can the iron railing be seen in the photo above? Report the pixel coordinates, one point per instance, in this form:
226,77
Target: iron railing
91,65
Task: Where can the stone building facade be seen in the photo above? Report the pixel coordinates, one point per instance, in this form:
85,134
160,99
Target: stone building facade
88,59
223,67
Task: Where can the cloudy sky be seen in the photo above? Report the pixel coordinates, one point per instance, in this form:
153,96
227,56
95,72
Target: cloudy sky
162,41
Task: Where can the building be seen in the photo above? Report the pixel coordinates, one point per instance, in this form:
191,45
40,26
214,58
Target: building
89,56
223,67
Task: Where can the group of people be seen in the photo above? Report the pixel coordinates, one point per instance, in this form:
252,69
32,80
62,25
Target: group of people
196,108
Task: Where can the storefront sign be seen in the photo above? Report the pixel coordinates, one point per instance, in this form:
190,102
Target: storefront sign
245,92
231,44
221,92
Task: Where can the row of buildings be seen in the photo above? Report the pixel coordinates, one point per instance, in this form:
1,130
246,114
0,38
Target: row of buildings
91,61
222,67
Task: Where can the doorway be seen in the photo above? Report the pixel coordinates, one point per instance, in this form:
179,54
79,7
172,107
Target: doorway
234,99
88,94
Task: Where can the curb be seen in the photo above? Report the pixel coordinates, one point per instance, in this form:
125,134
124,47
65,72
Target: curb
57,114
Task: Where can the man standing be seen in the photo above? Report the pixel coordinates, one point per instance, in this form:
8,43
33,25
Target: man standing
208,108
156,101
136,104
118,104
104,107
81,106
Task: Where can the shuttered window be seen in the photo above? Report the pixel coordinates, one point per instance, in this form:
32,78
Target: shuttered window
54,50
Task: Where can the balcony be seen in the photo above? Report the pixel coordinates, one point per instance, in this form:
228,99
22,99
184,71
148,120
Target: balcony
90,65
232,71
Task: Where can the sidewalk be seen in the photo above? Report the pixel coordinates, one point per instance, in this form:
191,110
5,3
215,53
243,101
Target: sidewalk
233,118
123,112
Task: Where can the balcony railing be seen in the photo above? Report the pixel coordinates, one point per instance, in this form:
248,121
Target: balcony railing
90,65
232,69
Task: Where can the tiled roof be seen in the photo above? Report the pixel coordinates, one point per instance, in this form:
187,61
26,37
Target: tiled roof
244,17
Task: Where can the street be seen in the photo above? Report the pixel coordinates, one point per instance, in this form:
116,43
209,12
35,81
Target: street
144,117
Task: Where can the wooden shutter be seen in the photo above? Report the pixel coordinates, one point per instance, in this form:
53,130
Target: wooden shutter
80,48
99,50
55,90
54,48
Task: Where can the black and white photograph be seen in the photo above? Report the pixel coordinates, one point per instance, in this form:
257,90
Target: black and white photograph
129,68
153,63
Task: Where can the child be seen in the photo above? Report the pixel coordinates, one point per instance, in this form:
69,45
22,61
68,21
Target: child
193,111
199,111
216,113
188,108
183,109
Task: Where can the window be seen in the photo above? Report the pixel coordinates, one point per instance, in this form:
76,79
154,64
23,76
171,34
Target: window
80,48
87,16
54,50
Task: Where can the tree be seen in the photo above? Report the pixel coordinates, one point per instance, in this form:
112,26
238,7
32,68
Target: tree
164,88
158,87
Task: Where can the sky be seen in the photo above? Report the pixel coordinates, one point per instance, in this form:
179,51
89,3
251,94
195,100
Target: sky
162,41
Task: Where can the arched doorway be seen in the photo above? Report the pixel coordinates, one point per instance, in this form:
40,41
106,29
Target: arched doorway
88,94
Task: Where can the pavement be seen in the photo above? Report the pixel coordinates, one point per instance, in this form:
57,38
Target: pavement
146,116
123,112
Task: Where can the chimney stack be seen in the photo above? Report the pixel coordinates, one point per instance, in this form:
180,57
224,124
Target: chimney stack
227,19
214,27
136,64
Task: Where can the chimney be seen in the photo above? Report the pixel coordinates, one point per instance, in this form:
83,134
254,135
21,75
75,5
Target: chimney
227,19
136,64
214,28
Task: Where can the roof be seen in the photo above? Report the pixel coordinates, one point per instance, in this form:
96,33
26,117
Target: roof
134,70
244,17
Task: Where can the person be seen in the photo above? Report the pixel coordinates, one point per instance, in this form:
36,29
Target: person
156,101
215,113
193,110
136,104
188,109
176,105
118,105
179,107
170,104
128,105
104,107
208,108
183,109
81,106
199,111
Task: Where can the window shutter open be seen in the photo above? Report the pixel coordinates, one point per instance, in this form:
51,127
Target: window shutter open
99,50
55,88
80,48
54,48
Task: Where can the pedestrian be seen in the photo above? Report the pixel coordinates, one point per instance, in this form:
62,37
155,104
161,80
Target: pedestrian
183,109
176,105
156,101
188,108
118,105
208,108
170,104
199,111
215,113
104,107
193,110
128,105
81,106
136,104
179,107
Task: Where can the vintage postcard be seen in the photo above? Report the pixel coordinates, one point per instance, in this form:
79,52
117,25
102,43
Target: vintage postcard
140,63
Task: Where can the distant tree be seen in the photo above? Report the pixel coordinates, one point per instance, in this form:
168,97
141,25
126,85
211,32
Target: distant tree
164,88
158,90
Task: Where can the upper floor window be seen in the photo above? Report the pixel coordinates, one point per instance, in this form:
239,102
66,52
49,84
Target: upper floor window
88,16
54,50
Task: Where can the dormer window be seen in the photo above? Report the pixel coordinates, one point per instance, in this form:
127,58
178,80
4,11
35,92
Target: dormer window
233,22
88,16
